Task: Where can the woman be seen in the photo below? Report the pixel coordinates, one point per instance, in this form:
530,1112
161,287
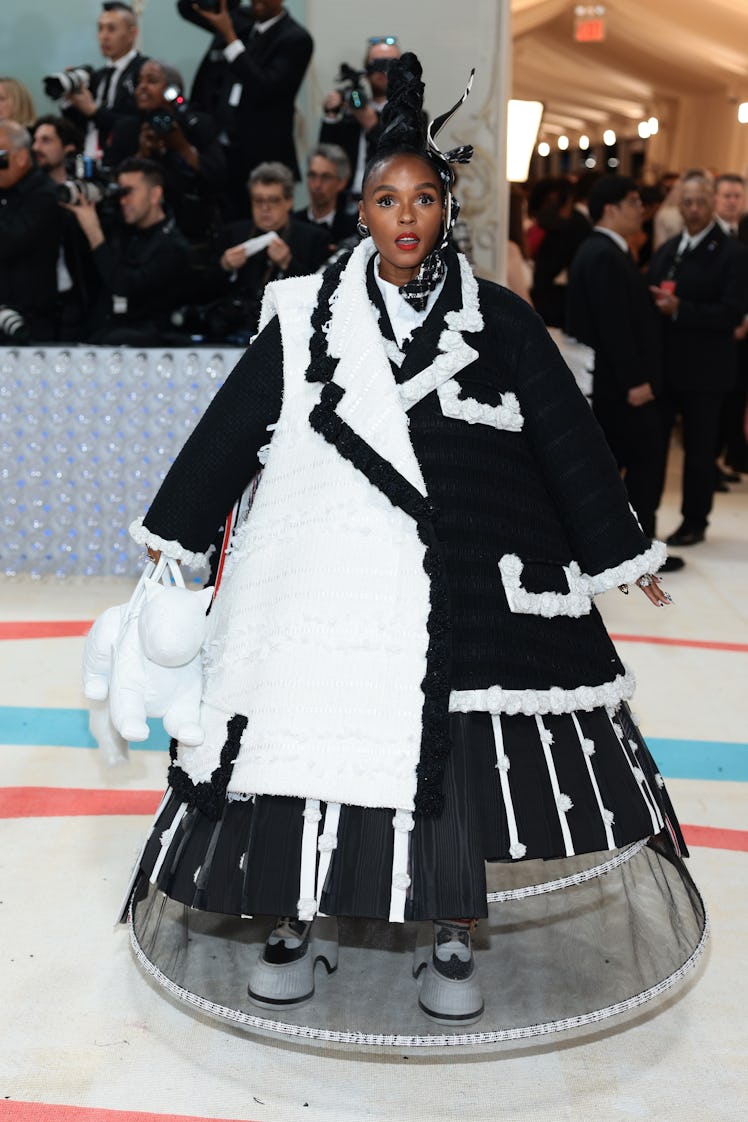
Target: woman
181,141
405,674
16,102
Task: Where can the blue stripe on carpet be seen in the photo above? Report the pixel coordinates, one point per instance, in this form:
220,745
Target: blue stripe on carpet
68,728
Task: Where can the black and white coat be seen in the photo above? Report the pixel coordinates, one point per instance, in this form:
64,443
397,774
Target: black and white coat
429,533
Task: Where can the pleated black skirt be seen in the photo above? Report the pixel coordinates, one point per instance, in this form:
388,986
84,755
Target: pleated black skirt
518,788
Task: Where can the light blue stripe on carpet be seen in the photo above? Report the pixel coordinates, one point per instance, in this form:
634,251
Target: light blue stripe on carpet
68,728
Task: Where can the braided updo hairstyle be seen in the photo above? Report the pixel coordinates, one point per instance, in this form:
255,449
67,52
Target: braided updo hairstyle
403,120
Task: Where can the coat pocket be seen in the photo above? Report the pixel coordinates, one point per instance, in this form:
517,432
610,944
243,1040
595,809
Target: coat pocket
506,415
545,599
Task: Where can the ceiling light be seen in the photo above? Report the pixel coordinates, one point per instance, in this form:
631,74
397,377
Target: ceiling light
584,142
563,143
644,130
544,148
654,126
609,137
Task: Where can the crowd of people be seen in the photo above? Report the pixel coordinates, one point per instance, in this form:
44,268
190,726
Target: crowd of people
141,213
655,280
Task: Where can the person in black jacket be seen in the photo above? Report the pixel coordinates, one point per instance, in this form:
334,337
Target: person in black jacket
56,143
551,204
698,280
143,265
328,173
182,142
266,54
96,109
241,271
610,309
29,235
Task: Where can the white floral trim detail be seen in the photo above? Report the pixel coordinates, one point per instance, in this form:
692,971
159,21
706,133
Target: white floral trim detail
455,354
628,571
391,349
554,700
564,803
327,843
139,534
505,416
576,602
517,850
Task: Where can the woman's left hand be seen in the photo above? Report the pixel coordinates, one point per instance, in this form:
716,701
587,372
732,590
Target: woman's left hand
650,586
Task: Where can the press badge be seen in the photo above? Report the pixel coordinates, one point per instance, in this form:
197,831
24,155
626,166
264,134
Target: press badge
236,94
119,305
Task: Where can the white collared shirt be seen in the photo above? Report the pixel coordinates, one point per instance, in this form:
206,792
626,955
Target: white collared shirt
617,238
325,220
403,316
726,227
118,67
688,243
232,50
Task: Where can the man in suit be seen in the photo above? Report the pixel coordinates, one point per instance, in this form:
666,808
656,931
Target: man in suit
29,236
327,175
698,281
111,93
729,209
237,280
610,309
266,57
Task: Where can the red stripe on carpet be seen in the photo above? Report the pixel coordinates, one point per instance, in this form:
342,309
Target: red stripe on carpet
53,1112
44,628
64,802
665,641
712,837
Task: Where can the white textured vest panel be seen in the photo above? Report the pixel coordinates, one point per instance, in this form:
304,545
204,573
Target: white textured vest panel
319,633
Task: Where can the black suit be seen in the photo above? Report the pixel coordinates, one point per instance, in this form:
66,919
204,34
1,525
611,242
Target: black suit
106,117
343,225
254,108
29,247
610,309
699,353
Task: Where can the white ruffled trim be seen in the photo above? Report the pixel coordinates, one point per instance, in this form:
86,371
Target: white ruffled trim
554,700
628,571
455,353
576,602
144,537
506,416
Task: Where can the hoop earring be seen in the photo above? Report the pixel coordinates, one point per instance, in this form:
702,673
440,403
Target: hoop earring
362,228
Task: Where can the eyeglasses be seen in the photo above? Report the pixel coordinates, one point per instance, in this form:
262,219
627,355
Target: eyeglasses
390,40
267,200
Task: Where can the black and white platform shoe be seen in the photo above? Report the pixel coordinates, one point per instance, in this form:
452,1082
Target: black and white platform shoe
284,972
450,991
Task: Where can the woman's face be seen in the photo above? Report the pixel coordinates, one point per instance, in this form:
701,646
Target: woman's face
149,92
402,206
6,109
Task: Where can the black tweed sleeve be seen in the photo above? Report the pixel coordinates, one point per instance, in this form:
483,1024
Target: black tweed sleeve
220,457
577,465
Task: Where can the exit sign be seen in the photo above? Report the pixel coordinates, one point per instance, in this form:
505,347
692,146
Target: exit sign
589,23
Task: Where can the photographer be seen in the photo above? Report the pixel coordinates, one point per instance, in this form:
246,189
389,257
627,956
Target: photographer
327,175
56,143
182,142
142,264
96,103
29,239
265,56
351,119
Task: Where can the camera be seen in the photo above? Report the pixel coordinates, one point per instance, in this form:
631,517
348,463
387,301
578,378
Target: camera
87,182
163,120
349,84
67,82
13,325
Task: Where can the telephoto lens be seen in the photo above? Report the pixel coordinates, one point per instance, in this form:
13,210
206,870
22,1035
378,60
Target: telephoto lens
76,191
13,325
67,82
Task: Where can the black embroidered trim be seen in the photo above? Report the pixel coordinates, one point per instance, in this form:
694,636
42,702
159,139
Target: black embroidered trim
209,796
435,739
435,742
322,365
